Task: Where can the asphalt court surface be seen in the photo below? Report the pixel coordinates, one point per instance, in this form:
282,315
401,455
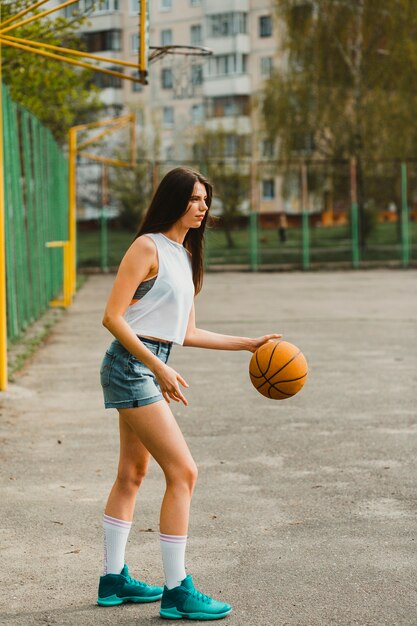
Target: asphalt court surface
305,509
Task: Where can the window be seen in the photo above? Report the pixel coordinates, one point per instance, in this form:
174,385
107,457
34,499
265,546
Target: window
105,81
265,26
102,40
168,117
266,66
134,6
166,37
268,189
228,106
197,113
134,43
196,35
92,7
166,78
196,74
227,24
195,3
165,5
226,64
169,153
267,148
136,87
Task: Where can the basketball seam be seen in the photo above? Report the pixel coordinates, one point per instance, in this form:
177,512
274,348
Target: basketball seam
267,380
279,382
257,362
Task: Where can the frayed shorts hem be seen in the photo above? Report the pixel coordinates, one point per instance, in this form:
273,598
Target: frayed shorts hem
132,404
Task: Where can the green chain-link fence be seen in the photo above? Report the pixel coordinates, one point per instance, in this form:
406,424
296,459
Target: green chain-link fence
36,211
296,215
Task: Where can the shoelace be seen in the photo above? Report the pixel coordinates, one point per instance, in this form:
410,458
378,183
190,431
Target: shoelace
133,581
201,596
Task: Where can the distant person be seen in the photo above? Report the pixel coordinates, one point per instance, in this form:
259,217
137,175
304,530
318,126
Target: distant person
150,308
282,227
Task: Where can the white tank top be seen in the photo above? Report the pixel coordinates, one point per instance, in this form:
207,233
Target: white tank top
165,309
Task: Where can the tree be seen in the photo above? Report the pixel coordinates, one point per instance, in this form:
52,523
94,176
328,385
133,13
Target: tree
132,190
346,87
54,91
218,152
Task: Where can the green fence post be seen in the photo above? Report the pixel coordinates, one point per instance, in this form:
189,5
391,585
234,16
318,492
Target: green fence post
207,248
253,240
354,215
405,233
305,218
104,240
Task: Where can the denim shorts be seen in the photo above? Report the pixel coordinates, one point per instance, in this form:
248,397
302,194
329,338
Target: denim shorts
126,381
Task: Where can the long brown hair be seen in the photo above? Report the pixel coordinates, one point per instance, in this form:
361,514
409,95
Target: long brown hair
169,203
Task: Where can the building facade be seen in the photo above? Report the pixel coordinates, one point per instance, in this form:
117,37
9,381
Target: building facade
190,96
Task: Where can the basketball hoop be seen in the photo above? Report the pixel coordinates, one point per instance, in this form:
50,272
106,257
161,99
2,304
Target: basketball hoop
186,70
159,52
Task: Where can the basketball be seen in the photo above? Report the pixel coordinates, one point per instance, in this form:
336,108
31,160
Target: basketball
278,369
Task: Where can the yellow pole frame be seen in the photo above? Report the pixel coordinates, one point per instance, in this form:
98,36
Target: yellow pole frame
70,51
74,149
57,57
69,249
3,308
66,283
72,209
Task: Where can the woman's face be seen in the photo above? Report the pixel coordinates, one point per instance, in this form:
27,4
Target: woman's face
196,208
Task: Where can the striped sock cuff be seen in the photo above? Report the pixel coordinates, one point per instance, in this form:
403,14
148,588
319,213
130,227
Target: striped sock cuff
116,523
178,539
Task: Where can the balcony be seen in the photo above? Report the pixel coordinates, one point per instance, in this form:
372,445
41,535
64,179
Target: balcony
225,6
229,45
227,85
240,124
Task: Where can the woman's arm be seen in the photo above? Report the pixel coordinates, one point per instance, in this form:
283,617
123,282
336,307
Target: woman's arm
199,338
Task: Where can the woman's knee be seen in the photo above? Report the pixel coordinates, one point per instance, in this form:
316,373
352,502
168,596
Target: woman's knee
131,476
184,475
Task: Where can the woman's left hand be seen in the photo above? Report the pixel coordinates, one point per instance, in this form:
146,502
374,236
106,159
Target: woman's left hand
259,341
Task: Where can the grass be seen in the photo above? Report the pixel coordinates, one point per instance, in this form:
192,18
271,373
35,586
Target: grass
329,244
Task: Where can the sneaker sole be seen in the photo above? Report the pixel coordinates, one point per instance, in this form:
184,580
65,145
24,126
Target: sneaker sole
175,614
115,600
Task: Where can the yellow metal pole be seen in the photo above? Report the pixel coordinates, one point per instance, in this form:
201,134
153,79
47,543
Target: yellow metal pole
72,224
142,61
3,309
70,51
57,57
38,16
133,140
17,16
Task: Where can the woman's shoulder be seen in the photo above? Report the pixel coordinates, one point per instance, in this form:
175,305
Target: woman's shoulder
144,246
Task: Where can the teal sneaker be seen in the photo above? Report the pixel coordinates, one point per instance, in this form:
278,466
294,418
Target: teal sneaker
185,602
115,589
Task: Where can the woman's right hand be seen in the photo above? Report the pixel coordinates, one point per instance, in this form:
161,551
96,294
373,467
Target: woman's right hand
169,380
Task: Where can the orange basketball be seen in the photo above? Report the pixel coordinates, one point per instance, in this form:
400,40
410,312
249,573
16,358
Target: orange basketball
278,369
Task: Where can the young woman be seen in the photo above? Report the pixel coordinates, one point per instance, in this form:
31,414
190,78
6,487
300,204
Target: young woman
150,308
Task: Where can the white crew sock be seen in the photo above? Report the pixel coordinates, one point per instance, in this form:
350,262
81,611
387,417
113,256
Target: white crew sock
116,532
173,558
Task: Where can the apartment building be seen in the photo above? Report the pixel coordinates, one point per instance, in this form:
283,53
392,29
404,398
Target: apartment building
187,96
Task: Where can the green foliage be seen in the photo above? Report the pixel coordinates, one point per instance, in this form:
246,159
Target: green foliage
229,175
132,190
346,87
58,93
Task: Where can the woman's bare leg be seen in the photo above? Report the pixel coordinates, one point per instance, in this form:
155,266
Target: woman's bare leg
155,426
133,465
